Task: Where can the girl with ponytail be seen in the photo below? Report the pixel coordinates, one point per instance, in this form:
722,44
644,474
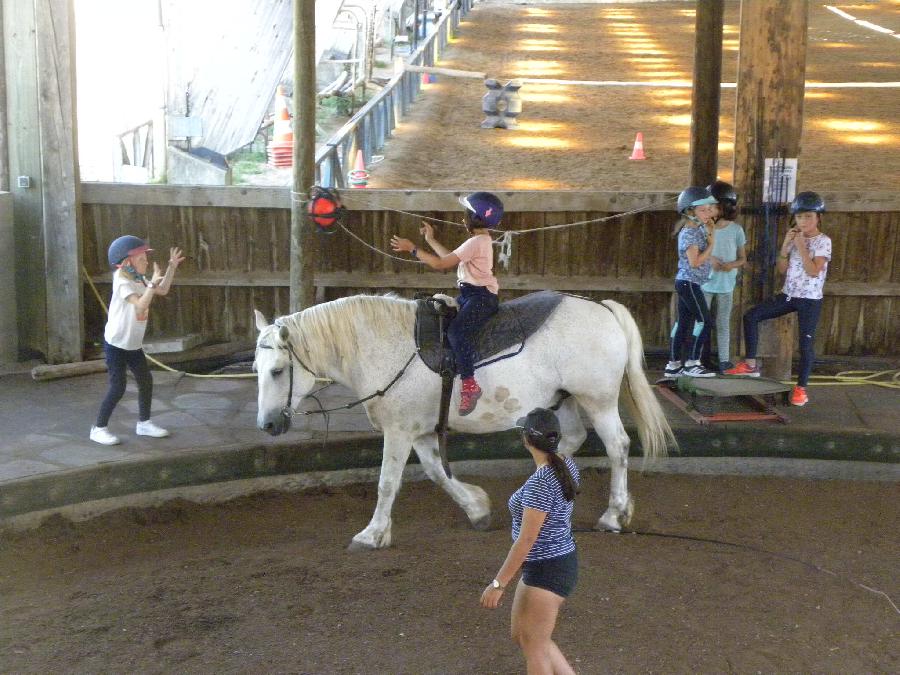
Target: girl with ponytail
543,546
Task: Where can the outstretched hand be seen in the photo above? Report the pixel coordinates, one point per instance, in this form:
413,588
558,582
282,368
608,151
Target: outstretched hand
401,244
427,230
176,257
158,276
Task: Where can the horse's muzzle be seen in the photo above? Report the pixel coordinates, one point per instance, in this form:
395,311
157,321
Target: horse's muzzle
275,424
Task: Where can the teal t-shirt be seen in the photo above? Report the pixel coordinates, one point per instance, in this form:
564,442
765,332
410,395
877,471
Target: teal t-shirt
728,240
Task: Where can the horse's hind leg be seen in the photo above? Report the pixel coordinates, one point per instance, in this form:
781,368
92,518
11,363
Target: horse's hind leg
571,426
608,426
473,500
378,532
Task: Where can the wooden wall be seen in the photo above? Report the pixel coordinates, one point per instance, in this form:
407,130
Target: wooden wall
238,243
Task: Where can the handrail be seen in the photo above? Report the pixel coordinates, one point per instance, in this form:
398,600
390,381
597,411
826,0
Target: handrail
374,123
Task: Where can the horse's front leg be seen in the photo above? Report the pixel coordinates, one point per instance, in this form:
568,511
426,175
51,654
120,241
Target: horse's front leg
378,532
473,500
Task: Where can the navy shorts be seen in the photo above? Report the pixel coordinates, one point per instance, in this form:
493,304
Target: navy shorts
557,575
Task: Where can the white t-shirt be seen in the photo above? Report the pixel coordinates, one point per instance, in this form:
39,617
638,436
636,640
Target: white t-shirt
124,328
797,283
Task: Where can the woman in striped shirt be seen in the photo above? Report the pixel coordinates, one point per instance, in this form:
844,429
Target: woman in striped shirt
543,546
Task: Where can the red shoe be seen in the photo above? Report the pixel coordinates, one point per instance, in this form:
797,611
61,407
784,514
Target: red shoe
743,368
798,396
469,394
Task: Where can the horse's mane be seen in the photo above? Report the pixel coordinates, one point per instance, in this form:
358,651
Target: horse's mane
332,329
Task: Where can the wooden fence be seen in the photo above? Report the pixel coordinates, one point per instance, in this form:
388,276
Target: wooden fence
237,240
372,125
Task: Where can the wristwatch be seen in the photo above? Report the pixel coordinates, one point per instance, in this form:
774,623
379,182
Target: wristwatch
497,585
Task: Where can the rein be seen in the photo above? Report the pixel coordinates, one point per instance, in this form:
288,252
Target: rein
288,411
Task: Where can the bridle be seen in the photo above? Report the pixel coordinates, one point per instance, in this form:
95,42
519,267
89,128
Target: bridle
288,412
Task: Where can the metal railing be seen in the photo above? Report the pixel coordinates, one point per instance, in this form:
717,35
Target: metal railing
373,124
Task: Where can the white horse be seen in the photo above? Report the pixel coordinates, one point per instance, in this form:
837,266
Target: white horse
364,342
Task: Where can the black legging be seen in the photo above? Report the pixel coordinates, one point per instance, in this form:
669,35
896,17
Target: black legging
692,310
476,305
808,311
116,361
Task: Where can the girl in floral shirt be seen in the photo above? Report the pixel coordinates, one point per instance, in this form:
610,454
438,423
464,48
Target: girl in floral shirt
804,257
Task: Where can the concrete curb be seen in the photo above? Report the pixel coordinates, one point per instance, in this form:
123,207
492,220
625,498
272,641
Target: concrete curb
209,466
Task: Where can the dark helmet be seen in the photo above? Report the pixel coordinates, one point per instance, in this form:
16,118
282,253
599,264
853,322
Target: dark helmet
808,201
125,246
723,192
325,209
694,196
483,207
541,428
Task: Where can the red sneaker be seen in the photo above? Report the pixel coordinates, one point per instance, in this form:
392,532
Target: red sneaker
743,368
798,396
470,392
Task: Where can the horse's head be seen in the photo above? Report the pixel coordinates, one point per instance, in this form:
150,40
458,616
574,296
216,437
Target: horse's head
280,375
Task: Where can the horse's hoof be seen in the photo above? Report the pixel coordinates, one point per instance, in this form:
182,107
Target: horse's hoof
484,523
608,523
359,546
625,518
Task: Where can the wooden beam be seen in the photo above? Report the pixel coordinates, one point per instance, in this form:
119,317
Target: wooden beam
25,160
706,92
55,35
374,199
4,140
303,242
768,120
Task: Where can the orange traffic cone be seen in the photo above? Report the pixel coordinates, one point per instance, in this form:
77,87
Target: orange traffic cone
359,177
638,152
281,149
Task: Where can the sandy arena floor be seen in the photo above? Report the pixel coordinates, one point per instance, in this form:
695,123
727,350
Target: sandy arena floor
265,584
581,137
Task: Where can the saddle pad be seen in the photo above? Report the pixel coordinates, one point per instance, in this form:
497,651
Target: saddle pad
509,327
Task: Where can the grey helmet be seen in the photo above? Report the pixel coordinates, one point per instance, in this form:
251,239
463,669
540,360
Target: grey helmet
808,201
125,246
694,196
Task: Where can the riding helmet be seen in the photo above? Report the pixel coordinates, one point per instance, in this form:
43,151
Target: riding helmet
125,246
541,428
694,196
808,201
483,207
723,192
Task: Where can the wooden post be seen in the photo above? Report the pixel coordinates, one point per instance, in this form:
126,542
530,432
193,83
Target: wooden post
55,34
768,123
706,92
303,258
4,143
24,141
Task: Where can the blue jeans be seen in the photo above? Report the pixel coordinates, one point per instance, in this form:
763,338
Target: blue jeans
476,305
693,319
116,362
808,311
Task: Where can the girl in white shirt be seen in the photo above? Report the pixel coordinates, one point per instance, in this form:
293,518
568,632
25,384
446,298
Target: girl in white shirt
126,325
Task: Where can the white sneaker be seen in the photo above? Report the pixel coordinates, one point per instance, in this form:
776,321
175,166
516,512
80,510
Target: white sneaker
149,429
101,435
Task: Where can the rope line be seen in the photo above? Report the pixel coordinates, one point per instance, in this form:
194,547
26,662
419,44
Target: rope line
755,549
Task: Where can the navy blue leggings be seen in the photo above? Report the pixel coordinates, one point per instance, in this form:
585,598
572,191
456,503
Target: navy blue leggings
476,305
808,311
116,361
693,319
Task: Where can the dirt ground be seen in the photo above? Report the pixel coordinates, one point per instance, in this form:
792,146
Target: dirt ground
265,584
578,137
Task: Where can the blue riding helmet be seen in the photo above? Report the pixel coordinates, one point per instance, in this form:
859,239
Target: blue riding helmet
808,201
125,246
694,196
723,192
483,207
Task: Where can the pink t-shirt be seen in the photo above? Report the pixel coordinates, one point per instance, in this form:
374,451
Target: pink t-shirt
476,262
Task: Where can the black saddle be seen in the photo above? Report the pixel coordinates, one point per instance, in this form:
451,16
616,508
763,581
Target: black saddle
509,327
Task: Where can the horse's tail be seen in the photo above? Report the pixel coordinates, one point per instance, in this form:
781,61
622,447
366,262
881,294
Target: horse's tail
653,427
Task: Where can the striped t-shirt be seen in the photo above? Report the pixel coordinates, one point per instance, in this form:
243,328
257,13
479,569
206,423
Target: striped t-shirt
543,492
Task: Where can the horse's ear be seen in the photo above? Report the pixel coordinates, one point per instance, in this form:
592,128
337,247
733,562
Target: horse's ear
260,320
284,333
